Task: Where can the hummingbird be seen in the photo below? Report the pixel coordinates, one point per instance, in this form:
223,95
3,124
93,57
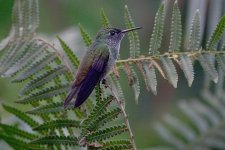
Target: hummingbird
96,64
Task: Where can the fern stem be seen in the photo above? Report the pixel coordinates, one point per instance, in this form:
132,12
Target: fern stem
121,105
170,55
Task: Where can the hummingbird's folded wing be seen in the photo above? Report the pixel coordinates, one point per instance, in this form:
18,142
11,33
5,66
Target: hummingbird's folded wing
93,76
88,76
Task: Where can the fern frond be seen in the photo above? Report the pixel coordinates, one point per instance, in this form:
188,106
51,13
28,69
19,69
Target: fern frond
158,67
220,58
86,38
98,93
206,116
16,18
208,67
133,36
104,19
195,33
27,19
170,70
24,117
106,133
187,67
197,120
143,74
176,29
72,57
44,79
168,136
35,14
180,127
117,87
157,34
47,93
36,66
216,35
17,52
102,119
136,86
151,77
34,52
99,109
17,143
128,71
57,124
116,145
50,109
9,50
11,130
56,140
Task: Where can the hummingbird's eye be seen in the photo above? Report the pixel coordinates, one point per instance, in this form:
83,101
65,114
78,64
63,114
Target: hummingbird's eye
112,33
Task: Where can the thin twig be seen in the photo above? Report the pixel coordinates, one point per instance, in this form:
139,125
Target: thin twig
120,103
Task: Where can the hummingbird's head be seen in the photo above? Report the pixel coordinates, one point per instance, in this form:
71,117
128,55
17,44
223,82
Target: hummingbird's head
112,36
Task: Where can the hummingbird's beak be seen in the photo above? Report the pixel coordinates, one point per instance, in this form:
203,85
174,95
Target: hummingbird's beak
132,29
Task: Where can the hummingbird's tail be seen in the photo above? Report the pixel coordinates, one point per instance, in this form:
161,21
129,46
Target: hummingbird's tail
72,93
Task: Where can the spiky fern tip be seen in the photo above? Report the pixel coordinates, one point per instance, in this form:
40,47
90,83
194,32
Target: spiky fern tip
133,36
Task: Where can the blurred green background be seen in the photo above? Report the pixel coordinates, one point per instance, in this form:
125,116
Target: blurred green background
56,16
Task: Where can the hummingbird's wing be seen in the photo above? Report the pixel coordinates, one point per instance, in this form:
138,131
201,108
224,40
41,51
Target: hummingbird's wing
89,74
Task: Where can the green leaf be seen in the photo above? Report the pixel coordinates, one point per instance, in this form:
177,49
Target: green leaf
104,19
72,57
133,36
195,33
187,67
208,66
24,117
56,140
151,77
11,130
85,36
106,133
47,93
176,30
157,34
58,124
216,35
170,70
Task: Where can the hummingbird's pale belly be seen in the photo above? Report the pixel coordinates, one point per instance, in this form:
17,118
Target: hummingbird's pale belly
114,53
